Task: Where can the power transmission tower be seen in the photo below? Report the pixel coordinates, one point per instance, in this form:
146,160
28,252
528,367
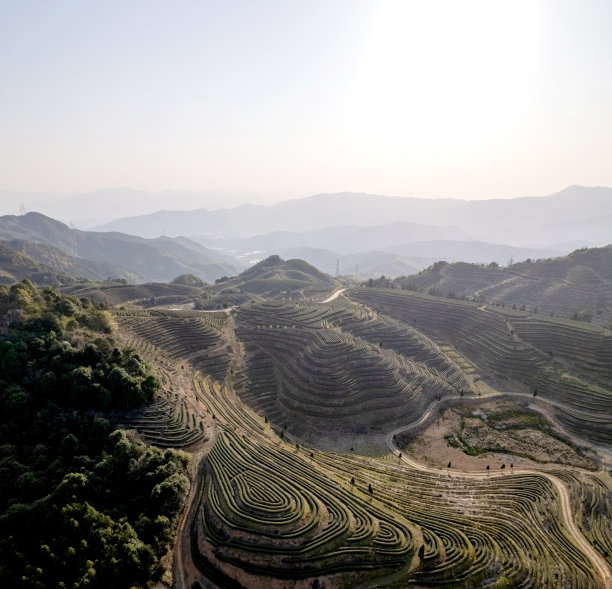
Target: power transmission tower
356,269
22,210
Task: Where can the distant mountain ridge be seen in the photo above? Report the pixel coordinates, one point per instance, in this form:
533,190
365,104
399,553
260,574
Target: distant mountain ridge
143,260
541,220
87,209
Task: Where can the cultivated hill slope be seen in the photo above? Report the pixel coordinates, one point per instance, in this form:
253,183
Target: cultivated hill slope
564,361
275,277
150,294
271,510
160,259
562,286
322,369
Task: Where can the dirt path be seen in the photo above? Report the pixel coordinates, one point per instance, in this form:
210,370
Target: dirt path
601,566
182,549
334,295
185,571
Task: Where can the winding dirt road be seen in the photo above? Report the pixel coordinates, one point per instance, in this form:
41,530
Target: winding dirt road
601,566
334,295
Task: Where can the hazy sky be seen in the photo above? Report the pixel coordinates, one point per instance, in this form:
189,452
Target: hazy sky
288,98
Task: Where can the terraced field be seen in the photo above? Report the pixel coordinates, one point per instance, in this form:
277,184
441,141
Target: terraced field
168,338
271,507
317,367
143,294
560,286
516,352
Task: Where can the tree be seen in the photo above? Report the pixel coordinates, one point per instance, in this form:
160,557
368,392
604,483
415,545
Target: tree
370,490
585,315
170,493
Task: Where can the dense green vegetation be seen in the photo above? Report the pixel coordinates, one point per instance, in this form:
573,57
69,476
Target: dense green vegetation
81,504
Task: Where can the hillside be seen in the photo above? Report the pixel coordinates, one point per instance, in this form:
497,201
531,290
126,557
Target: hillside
112,292
45,265
60,261
159,259
516,351
564,286
305,400
82,502
16,265
270,278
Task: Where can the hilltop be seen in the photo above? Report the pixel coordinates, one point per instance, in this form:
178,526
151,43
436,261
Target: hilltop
270,278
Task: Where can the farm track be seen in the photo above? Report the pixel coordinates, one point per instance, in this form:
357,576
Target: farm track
334,295
604,571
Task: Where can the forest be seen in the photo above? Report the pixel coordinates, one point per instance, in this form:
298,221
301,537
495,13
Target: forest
82,504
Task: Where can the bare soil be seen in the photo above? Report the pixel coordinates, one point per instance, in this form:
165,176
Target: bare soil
496,433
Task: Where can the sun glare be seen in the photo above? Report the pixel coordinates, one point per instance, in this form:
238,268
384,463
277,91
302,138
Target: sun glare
444,74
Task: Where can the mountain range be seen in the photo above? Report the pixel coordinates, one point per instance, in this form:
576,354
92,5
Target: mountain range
370,235
346,234
113,254
576,213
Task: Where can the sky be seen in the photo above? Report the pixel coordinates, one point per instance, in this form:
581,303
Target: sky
282,99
